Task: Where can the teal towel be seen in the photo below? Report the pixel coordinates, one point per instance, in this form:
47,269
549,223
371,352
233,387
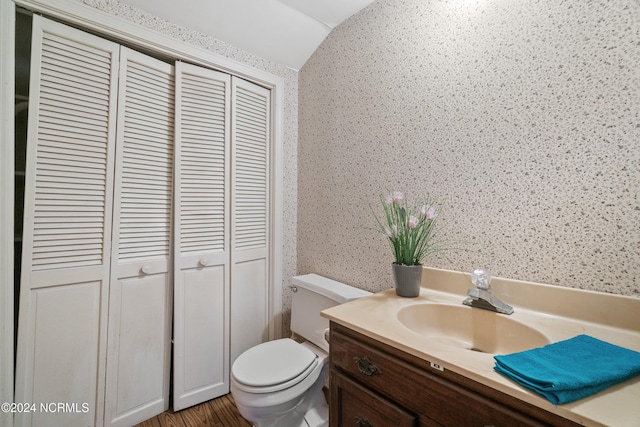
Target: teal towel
570,370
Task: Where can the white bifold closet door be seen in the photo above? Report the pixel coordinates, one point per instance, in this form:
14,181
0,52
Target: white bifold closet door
133,163
140,295
96,287
221,210
201,227
67,226
250,135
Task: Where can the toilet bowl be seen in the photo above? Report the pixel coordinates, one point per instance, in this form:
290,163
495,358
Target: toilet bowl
291,377
280,383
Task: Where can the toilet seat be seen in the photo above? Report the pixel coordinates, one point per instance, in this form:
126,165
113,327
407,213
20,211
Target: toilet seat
273,366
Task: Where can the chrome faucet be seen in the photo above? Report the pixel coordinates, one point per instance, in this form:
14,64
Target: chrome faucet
481,296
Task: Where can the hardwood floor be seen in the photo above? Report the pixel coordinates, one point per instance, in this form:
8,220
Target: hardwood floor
220,412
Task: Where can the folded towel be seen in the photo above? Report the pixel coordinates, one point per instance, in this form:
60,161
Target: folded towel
570,370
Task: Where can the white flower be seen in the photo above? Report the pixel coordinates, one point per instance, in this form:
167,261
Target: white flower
413,222
428,211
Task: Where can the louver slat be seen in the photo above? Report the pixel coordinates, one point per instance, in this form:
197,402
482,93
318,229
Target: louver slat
202,184
71,160
251,150
147,158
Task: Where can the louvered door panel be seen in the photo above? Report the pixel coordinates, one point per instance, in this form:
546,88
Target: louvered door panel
250,215
140,303
250,136
203,159
67,224
68,184
201,284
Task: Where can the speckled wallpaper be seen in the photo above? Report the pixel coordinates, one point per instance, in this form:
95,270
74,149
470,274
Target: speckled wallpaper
521,116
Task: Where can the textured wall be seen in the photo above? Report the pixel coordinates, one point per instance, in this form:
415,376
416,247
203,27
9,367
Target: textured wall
290,116
523,116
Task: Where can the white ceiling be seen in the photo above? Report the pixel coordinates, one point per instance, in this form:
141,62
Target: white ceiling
284,31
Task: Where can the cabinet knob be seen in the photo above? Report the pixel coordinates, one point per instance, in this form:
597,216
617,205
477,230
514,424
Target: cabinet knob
363,422
203,262
146,269
366,367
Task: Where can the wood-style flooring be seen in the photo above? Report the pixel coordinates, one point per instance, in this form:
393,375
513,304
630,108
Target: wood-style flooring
220,412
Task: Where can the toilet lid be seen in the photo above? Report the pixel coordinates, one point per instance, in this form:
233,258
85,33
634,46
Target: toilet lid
272,363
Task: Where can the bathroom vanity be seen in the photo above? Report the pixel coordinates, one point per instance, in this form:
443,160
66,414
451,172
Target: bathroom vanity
374,384
393,363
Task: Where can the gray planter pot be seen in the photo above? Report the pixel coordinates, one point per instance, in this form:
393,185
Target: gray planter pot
407,279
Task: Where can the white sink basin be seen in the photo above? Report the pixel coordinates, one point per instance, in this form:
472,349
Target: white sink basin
470,328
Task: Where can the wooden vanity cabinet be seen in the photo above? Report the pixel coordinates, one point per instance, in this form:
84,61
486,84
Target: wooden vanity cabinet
376,385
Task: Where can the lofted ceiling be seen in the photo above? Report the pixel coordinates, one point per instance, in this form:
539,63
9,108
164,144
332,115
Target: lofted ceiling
284,31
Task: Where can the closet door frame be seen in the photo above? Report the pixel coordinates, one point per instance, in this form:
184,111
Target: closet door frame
7,74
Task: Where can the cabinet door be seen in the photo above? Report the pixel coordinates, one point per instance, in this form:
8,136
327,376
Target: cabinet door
140,302
67,225
201,211
250,145
355,405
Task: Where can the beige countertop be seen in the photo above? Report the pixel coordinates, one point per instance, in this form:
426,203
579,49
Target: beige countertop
558,313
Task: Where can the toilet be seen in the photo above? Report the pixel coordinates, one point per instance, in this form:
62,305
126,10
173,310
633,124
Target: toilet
279,383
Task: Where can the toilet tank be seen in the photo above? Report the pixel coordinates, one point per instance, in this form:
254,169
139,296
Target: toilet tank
312,294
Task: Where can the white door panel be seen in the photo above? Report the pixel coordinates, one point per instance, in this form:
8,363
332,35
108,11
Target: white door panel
136,365
140,304
201,360
201,212
67,224
66,342
250,305
250,287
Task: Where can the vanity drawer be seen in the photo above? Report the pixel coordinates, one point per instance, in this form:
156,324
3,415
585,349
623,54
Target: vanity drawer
375,369
357,406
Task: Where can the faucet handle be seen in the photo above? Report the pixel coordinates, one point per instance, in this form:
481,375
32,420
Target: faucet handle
481,279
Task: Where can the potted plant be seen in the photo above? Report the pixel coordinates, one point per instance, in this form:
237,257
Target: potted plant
410,230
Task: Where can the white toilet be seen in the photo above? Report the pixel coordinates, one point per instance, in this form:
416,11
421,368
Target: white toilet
279,383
